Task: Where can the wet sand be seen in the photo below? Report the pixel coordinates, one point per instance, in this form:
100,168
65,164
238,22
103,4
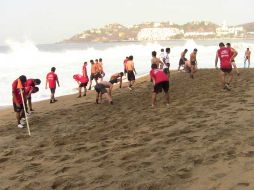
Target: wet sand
203,141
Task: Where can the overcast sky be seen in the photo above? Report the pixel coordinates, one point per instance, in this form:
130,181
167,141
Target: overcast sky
48,21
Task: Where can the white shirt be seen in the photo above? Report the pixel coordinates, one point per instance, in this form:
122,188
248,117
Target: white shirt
166,61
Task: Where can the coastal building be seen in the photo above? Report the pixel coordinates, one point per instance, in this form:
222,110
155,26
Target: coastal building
199,34
225,30
147,34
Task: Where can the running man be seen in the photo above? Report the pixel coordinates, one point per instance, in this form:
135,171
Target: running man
31,88
130,72
101,70
182,59
94,73
247,57
52,79
115,78
82,82
193,62
156,60
225,55
166,62
100,89
17,100
233,60
160,81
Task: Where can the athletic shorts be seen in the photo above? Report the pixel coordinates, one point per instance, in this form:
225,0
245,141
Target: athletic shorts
113,81
18,109
193,63
166,70
125,71
162,85
182,62
100,88
83,84
228,70
95,76
53,90
130,75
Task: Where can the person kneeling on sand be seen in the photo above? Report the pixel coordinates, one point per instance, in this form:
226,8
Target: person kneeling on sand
226,56
31,88
115,78
160,81
100,89
82,82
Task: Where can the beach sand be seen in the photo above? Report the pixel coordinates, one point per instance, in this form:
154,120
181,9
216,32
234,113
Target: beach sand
203,141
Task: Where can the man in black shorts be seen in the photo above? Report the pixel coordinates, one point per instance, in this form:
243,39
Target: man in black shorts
100,89
115,78
182,59
161,82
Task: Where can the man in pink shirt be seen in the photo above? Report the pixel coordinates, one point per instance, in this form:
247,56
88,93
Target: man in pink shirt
52,79
160,81
82,82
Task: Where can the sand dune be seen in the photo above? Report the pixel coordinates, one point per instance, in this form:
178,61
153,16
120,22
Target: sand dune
203,141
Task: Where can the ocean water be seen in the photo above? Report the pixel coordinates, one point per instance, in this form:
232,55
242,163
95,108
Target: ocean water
35,61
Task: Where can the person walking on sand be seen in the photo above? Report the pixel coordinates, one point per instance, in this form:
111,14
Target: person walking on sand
233,60
94,73
156,60
166,63
124,66
160,81
193,62
182,59
31,89
101,70
162,56
51,80
101,89
82,82
115,78
17,100
247,57
130,72
225,55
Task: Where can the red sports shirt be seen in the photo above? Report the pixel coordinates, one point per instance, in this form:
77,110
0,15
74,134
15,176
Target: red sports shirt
225,55
16,92
81,78
52,78
158,75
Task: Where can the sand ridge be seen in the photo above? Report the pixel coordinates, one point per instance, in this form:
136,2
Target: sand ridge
204,140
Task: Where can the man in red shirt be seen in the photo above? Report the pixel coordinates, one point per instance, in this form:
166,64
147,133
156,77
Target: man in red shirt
17,100
160,81
52,79
82,82
225,55
31,88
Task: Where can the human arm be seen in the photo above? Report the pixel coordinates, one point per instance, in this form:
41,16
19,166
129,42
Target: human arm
216,60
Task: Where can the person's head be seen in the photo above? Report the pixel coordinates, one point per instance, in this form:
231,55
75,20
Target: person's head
121,74
221,45
248,49
195,50
22,78
37,81
228,45
154,53
35,89
85,63
185,51
167,50
91,61
74,76
96,60
100,60
130,58
162,50
127,57
154,66
53,69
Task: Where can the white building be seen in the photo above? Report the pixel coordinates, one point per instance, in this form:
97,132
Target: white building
225,30
158,33
198,34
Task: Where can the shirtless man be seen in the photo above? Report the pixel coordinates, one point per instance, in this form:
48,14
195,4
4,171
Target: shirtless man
130,72
247,57
225,55
233,60
193,62
101,70
115,78
156,60
182,59
95,74
100,89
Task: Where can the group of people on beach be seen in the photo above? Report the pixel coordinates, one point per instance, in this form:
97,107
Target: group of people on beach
22,88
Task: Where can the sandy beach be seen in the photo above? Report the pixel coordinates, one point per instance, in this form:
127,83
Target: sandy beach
203,141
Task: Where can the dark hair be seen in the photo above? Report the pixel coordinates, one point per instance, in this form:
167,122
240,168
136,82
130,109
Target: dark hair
130,57
228,44
96,60
185,50
154,66
53,69
195,49
74,76
167,50
121,73
154,53
85,62
35,89
91,61
22,78
100,59
162,50
221,44
37,81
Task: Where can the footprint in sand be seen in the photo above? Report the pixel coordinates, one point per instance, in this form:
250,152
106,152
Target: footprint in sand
241,186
